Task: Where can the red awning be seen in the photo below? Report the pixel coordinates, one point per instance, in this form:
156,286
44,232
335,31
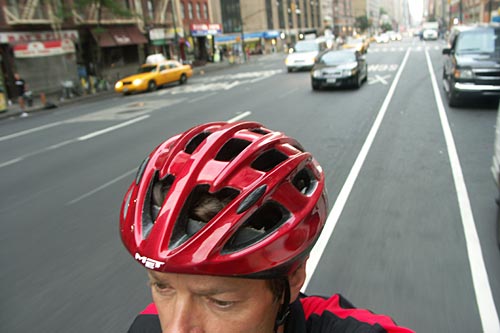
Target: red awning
118,36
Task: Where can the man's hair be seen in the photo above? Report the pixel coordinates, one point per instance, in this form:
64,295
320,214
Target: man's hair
205,208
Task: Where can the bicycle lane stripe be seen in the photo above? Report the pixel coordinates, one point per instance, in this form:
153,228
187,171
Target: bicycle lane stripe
341,200
484,297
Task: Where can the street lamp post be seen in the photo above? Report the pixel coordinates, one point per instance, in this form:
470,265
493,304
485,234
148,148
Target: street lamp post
242,37
176,41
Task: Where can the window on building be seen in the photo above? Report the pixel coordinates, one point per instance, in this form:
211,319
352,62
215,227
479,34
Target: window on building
183,13
198,11
281,15
269,14
190,10
231,15
298,12
205,11
151,9
306,14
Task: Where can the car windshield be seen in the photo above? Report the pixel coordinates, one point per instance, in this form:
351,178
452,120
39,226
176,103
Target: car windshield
147,69
337,58
306,47
478,41
354,41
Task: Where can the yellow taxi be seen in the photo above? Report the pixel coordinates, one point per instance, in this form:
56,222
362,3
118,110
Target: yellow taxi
150,76
358,43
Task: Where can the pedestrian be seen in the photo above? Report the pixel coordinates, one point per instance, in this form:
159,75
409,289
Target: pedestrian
21,90
223,217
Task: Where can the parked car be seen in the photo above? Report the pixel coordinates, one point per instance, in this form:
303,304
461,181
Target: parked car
495,169
382,38
472,63
304,53
430,34
336,68
153,75
394,36
359,44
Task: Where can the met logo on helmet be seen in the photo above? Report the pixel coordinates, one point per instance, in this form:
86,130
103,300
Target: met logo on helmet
148,262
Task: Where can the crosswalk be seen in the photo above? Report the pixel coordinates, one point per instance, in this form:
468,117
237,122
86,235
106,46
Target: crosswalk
417,48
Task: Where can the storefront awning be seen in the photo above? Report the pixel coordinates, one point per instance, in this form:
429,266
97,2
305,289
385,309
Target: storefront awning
118,36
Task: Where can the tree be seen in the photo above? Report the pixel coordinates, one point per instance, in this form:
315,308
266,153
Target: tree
386,27
115,8
363,23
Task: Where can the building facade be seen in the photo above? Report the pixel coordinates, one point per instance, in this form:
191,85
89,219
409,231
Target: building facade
267,25
52,43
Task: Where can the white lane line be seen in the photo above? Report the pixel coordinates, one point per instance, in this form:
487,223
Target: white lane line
482,289
111,182
338,207
103,186
43,150
112,128
197,99
4,164
31,130
240,116
289,92
64,143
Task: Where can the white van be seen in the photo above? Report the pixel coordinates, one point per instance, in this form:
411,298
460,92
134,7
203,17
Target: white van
304,53
495,170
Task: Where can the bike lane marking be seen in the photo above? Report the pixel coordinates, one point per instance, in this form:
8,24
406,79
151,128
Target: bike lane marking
338,207
128,173
79,139
482,289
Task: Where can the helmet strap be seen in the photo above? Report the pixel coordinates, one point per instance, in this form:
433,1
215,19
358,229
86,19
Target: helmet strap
284,309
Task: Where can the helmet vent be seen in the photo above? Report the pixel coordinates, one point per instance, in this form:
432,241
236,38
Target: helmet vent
269,160
259,225
196,141
155,197
231,149
141,169
305,181
200,207
259,131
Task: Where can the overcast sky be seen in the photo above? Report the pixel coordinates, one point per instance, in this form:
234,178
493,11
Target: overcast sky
416,10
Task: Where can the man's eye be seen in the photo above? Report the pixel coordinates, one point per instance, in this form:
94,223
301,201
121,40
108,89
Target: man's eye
161,288
222,304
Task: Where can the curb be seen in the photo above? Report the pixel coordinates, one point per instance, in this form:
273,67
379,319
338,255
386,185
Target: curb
198,71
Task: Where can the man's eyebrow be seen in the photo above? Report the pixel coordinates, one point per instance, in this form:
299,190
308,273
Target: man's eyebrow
214,291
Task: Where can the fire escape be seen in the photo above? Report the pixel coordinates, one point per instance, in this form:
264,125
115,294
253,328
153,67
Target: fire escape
33,12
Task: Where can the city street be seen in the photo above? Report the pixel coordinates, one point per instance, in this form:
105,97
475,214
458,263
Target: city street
412,225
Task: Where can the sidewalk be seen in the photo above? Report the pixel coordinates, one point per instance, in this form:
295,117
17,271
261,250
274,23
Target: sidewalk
53,99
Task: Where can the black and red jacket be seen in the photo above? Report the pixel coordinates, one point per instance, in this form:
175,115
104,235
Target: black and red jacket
308,314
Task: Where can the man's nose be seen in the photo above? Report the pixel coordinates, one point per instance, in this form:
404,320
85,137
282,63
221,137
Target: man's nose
184,318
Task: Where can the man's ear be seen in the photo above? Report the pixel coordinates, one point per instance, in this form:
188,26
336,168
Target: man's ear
296,280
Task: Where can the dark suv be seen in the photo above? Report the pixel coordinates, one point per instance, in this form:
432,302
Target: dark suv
472,63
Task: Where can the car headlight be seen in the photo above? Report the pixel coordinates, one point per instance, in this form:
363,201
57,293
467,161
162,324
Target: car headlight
119,84
348,72
464,73
137,82
316,74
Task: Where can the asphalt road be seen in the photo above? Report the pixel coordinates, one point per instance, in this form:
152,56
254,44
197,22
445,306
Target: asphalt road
407,202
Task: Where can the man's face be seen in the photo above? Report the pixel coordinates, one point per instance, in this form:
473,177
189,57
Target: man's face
210,304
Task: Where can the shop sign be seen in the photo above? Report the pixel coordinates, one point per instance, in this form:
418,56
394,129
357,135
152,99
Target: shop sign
198,30
155,34
44,49
36,36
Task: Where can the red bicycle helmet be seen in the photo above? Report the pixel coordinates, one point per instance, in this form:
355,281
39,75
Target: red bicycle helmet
271,193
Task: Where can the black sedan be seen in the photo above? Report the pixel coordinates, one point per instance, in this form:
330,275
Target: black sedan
336,68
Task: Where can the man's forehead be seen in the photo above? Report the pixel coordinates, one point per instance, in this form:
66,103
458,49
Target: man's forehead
205,283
